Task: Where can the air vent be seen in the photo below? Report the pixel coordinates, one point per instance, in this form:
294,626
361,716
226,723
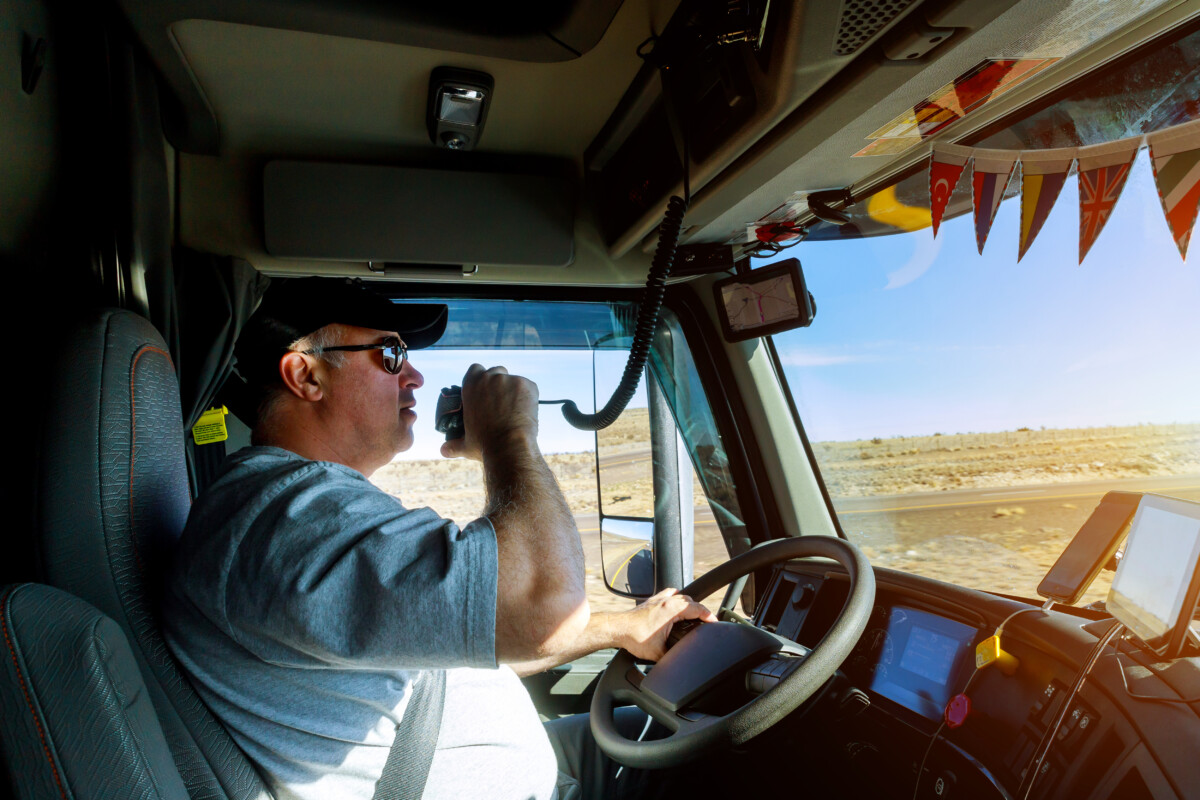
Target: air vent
862,19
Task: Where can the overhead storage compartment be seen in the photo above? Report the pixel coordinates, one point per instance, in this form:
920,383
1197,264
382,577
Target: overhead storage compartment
349,212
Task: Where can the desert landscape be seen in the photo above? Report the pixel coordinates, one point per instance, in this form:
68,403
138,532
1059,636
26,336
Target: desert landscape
1023,457
987,510
990,540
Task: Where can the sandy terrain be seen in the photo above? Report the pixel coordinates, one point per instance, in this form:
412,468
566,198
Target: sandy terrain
1016,458
1001,546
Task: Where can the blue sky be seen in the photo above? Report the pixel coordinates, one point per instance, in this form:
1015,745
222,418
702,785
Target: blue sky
916,336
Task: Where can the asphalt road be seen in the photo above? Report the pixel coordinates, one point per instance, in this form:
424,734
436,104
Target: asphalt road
631,464
1186,487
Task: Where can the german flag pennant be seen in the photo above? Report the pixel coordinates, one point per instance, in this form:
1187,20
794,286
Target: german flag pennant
1043,173
945,168
993,169
1175,155
1103,169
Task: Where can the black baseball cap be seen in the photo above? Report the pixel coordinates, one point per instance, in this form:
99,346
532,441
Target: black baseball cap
295,307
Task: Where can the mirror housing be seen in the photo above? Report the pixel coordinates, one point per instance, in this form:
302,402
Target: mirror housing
642,554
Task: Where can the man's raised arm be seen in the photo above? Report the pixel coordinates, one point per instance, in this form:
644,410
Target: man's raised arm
541,608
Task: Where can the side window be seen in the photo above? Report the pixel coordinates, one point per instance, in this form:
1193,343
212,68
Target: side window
624,485
968,412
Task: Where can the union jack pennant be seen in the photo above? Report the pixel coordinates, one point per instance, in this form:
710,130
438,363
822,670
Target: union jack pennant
1102,173
1175,156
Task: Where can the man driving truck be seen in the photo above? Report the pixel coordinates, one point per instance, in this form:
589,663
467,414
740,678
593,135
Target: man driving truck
306,604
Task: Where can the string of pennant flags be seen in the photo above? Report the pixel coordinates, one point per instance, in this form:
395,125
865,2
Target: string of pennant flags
1103,170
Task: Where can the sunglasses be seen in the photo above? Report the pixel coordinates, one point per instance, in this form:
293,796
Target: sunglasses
395,352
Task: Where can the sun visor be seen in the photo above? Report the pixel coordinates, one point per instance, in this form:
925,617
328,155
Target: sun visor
347,212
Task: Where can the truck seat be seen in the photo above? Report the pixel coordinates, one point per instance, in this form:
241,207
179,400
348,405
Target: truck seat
112,500
78,721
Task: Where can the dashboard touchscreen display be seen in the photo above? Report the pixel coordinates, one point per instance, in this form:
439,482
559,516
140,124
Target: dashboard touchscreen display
918,657
929,655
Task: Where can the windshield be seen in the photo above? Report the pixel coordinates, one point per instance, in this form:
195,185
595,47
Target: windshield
967,412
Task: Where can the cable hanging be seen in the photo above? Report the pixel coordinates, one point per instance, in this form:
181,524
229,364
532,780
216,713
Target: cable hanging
639,352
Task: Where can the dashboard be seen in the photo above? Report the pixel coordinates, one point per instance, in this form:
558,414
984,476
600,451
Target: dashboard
878,729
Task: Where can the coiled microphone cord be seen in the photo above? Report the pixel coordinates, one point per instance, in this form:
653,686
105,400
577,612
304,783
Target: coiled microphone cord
656,287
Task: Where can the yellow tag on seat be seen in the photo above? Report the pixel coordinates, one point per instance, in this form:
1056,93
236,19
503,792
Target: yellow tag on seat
211,426
989,651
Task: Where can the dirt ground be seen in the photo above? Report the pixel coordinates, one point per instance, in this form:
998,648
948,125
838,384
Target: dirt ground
999,546
1002,546
902,465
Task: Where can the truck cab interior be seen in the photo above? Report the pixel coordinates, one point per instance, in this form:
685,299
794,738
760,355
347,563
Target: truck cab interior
583,182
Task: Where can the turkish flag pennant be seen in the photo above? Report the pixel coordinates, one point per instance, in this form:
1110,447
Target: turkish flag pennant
1175,156
1103,170
993,169
1043,173
945,168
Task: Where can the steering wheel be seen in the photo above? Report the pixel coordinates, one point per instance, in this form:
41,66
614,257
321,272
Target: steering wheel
714,653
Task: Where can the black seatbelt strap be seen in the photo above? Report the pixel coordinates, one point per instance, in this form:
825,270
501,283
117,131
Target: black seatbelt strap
408,762
208,459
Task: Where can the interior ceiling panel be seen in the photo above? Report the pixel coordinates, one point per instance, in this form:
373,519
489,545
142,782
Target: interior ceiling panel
537,31
287,93
797,63
280,92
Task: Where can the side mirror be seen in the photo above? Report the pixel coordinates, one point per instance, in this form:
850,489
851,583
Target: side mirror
627,554
644,502
625,503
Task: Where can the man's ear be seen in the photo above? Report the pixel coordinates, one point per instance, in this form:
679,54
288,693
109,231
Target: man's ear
298,373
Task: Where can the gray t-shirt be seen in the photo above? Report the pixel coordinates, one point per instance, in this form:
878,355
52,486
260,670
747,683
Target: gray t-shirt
303,604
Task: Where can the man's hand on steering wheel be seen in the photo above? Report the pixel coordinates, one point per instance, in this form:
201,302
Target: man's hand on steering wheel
648,625
720,656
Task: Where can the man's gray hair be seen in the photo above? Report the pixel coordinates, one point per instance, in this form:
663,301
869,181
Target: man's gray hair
317,341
